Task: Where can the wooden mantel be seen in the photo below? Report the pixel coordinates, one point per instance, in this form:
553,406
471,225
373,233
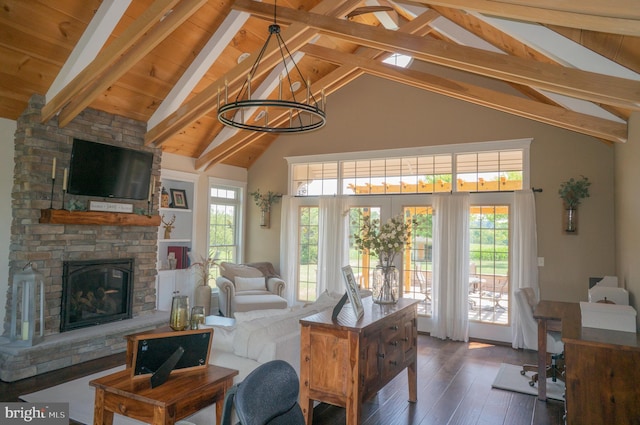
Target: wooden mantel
51,216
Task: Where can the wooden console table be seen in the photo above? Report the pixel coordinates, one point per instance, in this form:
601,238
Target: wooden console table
344,362
182,395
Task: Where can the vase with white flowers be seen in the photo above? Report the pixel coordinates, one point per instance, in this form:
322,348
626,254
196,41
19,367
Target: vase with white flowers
385,241
202,268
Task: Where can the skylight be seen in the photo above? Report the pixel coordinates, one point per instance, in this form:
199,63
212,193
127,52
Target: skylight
398,59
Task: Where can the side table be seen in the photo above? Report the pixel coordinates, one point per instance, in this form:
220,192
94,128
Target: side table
182,395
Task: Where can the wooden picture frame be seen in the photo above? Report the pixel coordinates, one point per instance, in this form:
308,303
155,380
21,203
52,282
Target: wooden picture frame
179,198
151,349
353,292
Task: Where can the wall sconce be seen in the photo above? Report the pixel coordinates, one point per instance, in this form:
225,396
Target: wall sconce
23,320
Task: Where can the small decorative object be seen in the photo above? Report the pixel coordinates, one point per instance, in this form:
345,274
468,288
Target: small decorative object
203,275
53,181
23,320
197,317
172,260
168,227
572,192
179,320
179,198
164,198
385,241
353,292
76,205
264,202
64,185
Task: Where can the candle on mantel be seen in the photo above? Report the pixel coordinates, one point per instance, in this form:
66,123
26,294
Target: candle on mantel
152,188
53,169
64,179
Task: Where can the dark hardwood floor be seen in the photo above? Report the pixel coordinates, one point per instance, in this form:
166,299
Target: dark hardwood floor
454,387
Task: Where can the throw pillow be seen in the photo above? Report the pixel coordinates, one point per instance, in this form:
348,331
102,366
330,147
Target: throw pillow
250,283
232,270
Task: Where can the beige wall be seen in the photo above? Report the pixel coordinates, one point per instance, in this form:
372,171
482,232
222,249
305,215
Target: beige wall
627,177
371,113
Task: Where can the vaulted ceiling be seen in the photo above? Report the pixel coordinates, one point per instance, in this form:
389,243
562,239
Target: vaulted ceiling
573,64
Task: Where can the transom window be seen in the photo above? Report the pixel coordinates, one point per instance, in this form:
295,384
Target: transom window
487,167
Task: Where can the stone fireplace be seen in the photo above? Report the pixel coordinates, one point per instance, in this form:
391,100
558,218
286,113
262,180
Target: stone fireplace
50,245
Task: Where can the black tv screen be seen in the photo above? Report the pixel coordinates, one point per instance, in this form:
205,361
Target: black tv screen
109,171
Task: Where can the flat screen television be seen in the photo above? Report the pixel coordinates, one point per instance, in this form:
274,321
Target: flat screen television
109,171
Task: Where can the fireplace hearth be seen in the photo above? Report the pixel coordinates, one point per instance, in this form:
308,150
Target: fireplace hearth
96,292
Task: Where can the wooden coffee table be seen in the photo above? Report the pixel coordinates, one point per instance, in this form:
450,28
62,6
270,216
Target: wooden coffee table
182,395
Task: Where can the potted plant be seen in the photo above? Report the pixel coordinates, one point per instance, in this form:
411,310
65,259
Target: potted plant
384,240
572,193
264,201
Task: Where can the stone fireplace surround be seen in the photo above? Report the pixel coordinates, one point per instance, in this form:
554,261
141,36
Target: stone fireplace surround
46,246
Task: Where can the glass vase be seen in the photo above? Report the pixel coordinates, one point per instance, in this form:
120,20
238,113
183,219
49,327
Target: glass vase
386,285
179,319
571,220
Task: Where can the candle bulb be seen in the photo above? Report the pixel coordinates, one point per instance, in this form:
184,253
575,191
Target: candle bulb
53,169
64,179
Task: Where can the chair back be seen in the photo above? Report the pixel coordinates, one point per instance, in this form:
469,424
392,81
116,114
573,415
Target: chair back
267,396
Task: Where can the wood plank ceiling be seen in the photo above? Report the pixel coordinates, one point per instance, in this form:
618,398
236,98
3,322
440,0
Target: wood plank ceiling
575,64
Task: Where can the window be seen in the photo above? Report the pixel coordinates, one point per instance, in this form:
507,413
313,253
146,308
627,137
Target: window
225,213
490,171
474,167
418,271
307,253
489,264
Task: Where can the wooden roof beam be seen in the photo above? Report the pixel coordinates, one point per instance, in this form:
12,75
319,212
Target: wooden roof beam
107,57
558,79
330,83
610,16
295,36
120,65
548,114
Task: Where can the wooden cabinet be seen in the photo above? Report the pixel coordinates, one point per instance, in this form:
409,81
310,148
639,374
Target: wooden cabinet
602,376
345,362
174,282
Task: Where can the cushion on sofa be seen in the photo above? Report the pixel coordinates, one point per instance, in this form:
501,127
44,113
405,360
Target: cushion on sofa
250,283
232,270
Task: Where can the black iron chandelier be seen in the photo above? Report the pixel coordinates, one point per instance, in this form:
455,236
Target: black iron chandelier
278,115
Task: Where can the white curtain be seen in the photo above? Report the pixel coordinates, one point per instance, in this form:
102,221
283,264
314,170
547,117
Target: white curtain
333,241
451,266
524,267
289,246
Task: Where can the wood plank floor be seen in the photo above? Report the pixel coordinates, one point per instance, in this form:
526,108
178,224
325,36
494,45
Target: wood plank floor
454,387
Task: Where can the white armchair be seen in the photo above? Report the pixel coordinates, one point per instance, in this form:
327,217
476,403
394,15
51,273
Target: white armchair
246,287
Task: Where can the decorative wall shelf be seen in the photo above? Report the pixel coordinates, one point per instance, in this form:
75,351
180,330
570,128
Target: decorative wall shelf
51,216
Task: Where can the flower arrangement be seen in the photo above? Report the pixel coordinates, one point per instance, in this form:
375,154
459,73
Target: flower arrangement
384,240
264,201
204,266
573,191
